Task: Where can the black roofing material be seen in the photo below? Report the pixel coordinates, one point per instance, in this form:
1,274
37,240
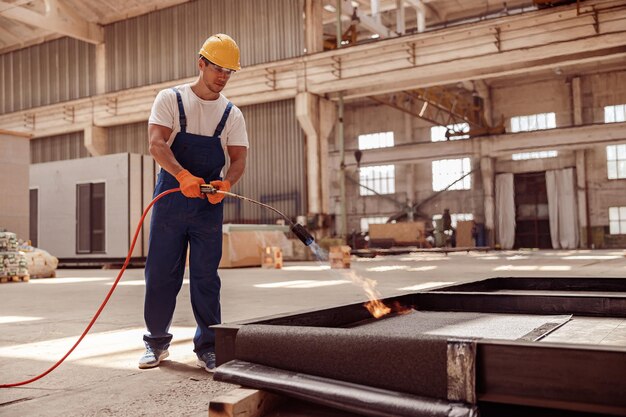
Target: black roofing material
415,364
345,396
405,353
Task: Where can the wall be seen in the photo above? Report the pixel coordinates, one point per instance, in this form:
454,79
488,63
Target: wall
58,148
525,98
57,181
163,45
55,71
413,181
14,203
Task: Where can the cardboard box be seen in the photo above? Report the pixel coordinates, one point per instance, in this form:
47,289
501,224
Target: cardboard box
406,233
243,245
272,258
339,257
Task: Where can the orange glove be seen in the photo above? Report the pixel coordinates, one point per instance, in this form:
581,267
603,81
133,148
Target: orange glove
218,197
189,184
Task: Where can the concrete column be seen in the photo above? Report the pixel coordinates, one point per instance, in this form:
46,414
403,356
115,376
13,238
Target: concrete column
100,69
307,112
400,17
581,169
317,117
485,93
95,140
487,166
14,171
314,27
577,102
328,117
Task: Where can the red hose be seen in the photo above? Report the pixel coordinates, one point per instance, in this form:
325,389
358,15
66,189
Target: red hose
106,299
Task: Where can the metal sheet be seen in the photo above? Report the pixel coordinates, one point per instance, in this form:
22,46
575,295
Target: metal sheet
55,71
163,45
131,138
275,172
58,148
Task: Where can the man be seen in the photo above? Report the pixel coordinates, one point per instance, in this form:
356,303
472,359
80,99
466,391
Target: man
190,128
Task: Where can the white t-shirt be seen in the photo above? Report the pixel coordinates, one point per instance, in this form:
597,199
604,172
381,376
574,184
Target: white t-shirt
203,116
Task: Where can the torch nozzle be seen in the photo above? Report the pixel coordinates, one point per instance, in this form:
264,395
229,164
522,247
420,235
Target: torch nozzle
302,234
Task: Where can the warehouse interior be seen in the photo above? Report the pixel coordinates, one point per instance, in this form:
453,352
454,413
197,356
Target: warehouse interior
432,149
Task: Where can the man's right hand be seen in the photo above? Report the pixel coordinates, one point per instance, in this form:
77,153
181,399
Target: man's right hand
189,184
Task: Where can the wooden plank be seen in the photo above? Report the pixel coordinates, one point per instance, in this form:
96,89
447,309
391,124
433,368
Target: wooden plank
243,402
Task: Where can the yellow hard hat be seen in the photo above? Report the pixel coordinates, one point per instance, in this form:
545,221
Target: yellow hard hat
221,50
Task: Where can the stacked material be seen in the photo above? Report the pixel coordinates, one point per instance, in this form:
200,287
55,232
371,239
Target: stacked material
8,242
12,262
39,262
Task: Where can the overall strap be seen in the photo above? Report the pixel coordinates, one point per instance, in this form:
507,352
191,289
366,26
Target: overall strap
181,111
220,126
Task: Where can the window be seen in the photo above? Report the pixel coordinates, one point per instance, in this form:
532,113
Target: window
380,178
455,218
90,211
534,155
33,221
616,161
533,122
617,220
376,140
613,114
366,221
447,171
438,133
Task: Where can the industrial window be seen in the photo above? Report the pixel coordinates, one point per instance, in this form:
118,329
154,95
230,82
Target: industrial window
614,114
534,155
366,221
616,161
455,217
33,221
533,122
90,212
376,140
438,133
617,220
379,179
447,171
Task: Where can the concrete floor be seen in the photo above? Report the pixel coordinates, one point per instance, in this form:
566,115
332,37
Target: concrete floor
40,320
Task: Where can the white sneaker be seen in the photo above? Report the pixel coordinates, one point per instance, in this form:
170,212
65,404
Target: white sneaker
152,358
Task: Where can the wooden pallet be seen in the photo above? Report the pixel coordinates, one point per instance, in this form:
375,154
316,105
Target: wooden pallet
15,278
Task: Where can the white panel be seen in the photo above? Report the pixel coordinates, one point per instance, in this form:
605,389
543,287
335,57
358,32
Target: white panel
57,201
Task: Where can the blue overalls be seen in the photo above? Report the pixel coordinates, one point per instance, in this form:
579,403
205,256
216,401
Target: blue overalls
178,221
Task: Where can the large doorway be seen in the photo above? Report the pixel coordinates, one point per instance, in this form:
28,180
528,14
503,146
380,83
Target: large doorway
532,221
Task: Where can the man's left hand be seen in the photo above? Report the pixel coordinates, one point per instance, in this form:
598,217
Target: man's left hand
218,197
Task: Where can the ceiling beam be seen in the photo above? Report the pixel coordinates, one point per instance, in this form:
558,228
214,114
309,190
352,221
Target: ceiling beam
366,21
58,18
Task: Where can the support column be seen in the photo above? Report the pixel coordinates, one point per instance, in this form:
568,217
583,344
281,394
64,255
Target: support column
577,102
100,69
307,112
400,17
581,169
581,188
487,166
95,140
317,117
15,171
328,117
313,26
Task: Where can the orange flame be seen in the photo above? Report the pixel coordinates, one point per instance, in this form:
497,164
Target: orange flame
376,307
